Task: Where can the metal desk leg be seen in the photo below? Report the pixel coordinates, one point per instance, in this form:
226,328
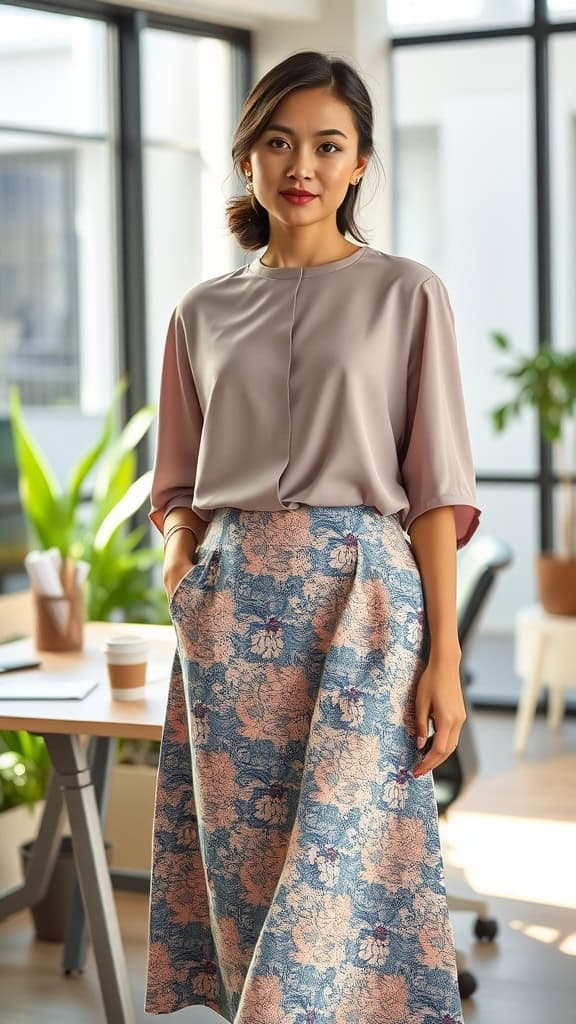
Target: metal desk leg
42,858
70,764
101,754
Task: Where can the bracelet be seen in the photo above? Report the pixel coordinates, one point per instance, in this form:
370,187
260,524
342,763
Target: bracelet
178,526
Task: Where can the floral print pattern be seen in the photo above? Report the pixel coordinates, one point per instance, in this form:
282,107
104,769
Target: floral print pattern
297,871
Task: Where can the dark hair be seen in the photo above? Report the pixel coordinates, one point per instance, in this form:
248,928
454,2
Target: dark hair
247,219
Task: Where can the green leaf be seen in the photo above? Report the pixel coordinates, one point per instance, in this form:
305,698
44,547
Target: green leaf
38,488
125,443
89,460
499,417
500,340
118,483
129,504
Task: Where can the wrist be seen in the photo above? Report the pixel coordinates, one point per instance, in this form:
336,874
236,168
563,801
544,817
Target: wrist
445,653
181,543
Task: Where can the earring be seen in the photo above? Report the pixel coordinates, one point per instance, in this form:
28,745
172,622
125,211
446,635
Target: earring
249,185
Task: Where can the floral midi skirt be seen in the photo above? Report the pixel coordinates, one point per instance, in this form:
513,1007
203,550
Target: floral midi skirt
297,871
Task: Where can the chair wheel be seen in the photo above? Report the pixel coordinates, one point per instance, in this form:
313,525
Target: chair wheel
486,928
467,984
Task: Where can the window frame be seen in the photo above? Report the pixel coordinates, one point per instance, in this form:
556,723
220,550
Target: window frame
126,25
539,31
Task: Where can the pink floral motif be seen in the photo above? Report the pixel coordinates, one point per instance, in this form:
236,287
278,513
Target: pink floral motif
435,931
346,766
364,623
394,852
262,1001
277,548
370,997
184,889
206,983
232,956
322,926
215,803
213,637
274,704
263,854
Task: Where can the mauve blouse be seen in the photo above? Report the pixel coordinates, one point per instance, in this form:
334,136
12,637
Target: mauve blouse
334,384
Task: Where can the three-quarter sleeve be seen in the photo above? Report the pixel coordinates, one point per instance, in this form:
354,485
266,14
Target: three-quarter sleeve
178,430
436,462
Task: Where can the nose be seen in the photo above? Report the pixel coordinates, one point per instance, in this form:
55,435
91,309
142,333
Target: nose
301,166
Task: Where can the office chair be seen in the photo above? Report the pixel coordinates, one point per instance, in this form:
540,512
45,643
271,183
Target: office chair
478,566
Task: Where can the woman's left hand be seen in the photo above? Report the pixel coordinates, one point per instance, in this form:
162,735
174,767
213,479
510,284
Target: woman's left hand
439,697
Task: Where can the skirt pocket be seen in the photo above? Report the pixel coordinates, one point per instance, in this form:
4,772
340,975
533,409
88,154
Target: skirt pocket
203,560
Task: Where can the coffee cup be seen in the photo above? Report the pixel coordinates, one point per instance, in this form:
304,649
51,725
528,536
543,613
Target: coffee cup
127,658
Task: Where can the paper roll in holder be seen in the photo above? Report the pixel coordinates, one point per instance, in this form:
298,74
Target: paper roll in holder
59,619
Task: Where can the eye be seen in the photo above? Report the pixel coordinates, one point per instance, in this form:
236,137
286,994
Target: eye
334,147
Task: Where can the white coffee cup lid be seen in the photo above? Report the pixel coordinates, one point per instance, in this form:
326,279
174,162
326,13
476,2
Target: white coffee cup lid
126,642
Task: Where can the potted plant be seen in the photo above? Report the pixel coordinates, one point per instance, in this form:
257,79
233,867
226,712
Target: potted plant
117,587
546,381
118,582
24,772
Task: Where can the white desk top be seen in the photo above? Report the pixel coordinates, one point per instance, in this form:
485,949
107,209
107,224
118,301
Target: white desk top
534,615
97,714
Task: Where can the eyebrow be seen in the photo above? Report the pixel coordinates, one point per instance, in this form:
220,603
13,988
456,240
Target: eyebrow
289,131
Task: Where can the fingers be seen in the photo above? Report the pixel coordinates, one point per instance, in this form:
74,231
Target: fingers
444,743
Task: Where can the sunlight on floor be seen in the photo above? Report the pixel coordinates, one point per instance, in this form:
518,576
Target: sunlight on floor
540,933
568,945
535,931
530,859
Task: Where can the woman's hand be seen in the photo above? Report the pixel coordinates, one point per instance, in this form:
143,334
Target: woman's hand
439,696
178,560
173,573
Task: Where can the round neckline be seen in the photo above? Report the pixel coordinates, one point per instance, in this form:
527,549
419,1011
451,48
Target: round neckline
256,267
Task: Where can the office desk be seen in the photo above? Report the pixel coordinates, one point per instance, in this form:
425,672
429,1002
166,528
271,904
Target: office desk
62,724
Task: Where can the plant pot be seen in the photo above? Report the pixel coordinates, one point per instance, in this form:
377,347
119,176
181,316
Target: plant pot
132,789
50,915
18,825
557,583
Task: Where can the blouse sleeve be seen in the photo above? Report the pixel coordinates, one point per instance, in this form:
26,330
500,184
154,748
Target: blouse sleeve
436,461
178,432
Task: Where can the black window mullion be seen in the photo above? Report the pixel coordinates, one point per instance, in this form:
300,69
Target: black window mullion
543,247
131,251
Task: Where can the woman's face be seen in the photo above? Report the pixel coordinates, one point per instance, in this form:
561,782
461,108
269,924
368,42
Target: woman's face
310,143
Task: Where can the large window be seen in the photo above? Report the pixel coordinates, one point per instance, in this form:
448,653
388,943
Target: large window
465,207
187,126
115,129
421,16
493,212
57,317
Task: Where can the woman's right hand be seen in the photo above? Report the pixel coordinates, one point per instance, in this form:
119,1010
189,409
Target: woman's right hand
173,572
179,555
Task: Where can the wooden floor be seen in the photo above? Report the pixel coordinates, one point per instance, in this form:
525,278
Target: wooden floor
511,838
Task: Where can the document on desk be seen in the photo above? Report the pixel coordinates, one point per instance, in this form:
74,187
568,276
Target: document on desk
46,689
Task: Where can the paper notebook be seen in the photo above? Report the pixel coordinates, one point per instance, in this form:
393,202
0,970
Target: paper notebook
46,689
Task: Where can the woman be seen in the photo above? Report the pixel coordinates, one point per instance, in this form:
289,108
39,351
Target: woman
313,479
